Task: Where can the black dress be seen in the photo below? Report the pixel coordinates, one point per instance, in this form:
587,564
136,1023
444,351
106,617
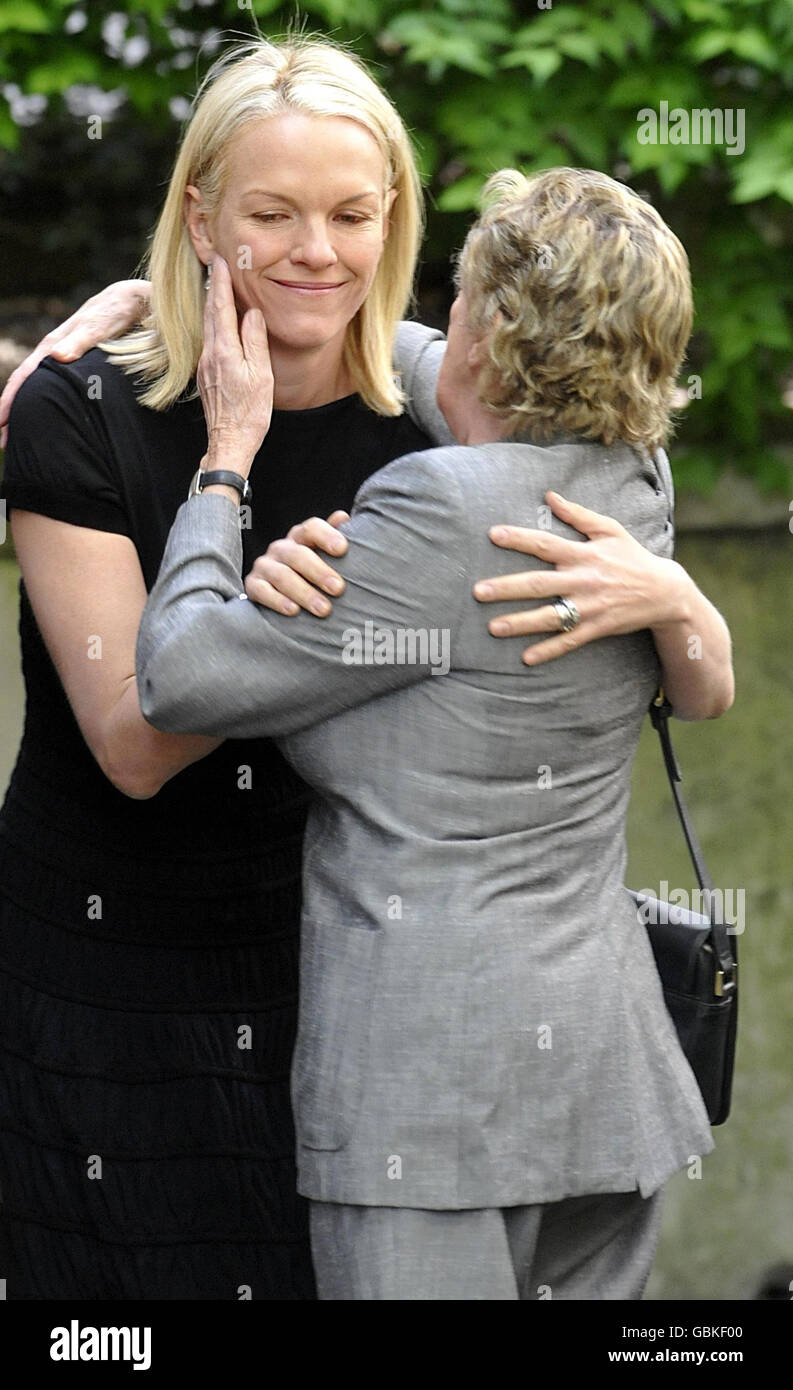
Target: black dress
148,949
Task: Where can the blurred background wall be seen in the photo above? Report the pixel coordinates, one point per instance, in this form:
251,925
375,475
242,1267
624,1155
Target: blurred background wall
92,97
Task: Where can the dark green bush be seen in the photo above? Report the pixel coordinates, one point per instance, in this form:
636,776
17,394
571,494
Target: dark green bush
488,83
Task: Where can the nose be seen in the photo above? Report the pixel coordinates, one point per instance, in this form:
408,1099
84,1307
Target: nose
313,247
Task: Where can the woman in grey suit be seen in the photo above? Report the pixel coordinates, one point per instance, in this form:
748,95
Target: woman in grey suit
489,1093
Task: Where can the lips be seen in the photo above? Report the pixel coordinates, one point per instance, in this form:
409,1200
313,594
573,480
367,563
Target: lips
310,287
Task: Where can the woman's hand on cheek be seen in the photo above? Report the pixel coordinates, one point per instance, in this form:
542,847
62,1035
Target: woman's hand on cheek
615,583
235,377
291,576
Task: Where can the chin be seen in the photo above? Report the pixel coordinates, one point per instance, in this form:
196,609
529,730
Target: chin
304,337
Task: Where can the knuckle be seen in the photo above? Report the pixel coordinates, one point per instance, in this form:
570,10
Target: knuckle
593,579
254,586
273,570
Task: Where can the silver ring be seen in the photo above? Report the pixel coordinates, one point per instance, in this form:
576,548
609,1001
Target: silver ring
567,613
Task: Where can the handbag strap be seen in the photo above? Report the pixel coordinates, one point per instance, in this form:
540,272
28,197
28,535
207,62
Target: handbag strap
725,952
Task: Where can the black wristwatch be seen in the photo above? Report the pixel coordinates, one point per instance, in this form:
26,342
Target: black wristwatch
224,477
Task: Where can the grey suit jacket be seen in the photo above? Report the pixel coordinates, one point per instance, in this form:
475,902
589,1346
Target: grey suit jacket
481,1022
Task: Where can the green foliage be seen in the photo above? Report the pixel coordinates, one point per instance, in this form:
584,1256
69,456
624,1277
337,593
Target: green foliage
489,83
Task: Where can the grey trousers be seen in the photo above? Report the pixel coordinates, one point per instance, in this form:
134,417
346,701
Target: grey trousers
594,1247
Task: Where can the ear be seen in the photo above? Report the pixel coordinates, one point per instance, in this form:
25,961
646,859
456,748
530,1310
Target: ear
196,222
390,198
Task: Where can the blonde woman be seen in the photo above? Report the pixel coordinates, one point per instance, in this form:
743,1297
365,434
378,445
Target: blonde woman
150,882
148,958
489,1093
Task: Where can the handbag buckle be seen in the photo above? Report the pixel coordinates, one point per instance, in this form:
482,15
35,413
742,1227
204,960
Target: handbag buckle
723,986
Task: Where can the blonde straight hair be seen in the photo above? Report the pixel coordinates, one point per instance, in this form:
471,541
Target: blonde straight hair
249,83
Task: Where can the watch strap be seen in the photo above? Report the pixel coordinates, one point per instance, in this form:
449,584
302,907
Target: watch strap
223,477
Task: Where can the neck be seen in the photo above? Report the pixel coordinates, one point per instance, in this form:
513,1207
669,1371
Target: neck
484,432
308,377
479,426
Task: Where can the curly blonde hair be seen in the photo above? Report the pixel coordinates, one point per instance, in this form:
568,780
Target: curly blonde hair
585,296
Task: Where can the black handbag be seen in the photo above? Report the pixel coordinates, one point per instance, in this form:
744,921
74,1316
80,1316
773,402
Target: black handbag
697,959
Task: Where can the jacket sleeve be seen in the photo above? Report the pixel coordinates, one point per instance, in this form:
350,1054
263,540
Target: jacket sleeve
418,353
209,661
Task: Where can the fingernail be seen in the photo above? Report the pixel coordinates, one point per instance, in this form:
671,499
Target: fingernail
290,608
320,606
498,533
334,585
483,590
499,627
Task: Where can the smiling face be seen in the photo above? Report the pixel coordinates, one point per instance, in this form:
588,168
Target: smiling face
302,224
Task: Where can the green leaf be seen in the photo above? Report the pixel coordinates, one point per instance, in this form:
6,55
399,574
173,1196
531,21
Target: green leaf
767,164
580,46
363,13
542,63
706,11
755,183
635,24
463,195
9,130
669,157
24,16
155,9
548,25
485,9
672,174
588,142
749,44
755,47
668,10
608,37
708,43
679,85
63,72
438,42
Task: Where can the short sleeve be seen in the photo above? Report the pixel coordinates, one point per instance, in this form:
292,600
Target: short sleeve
59,461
